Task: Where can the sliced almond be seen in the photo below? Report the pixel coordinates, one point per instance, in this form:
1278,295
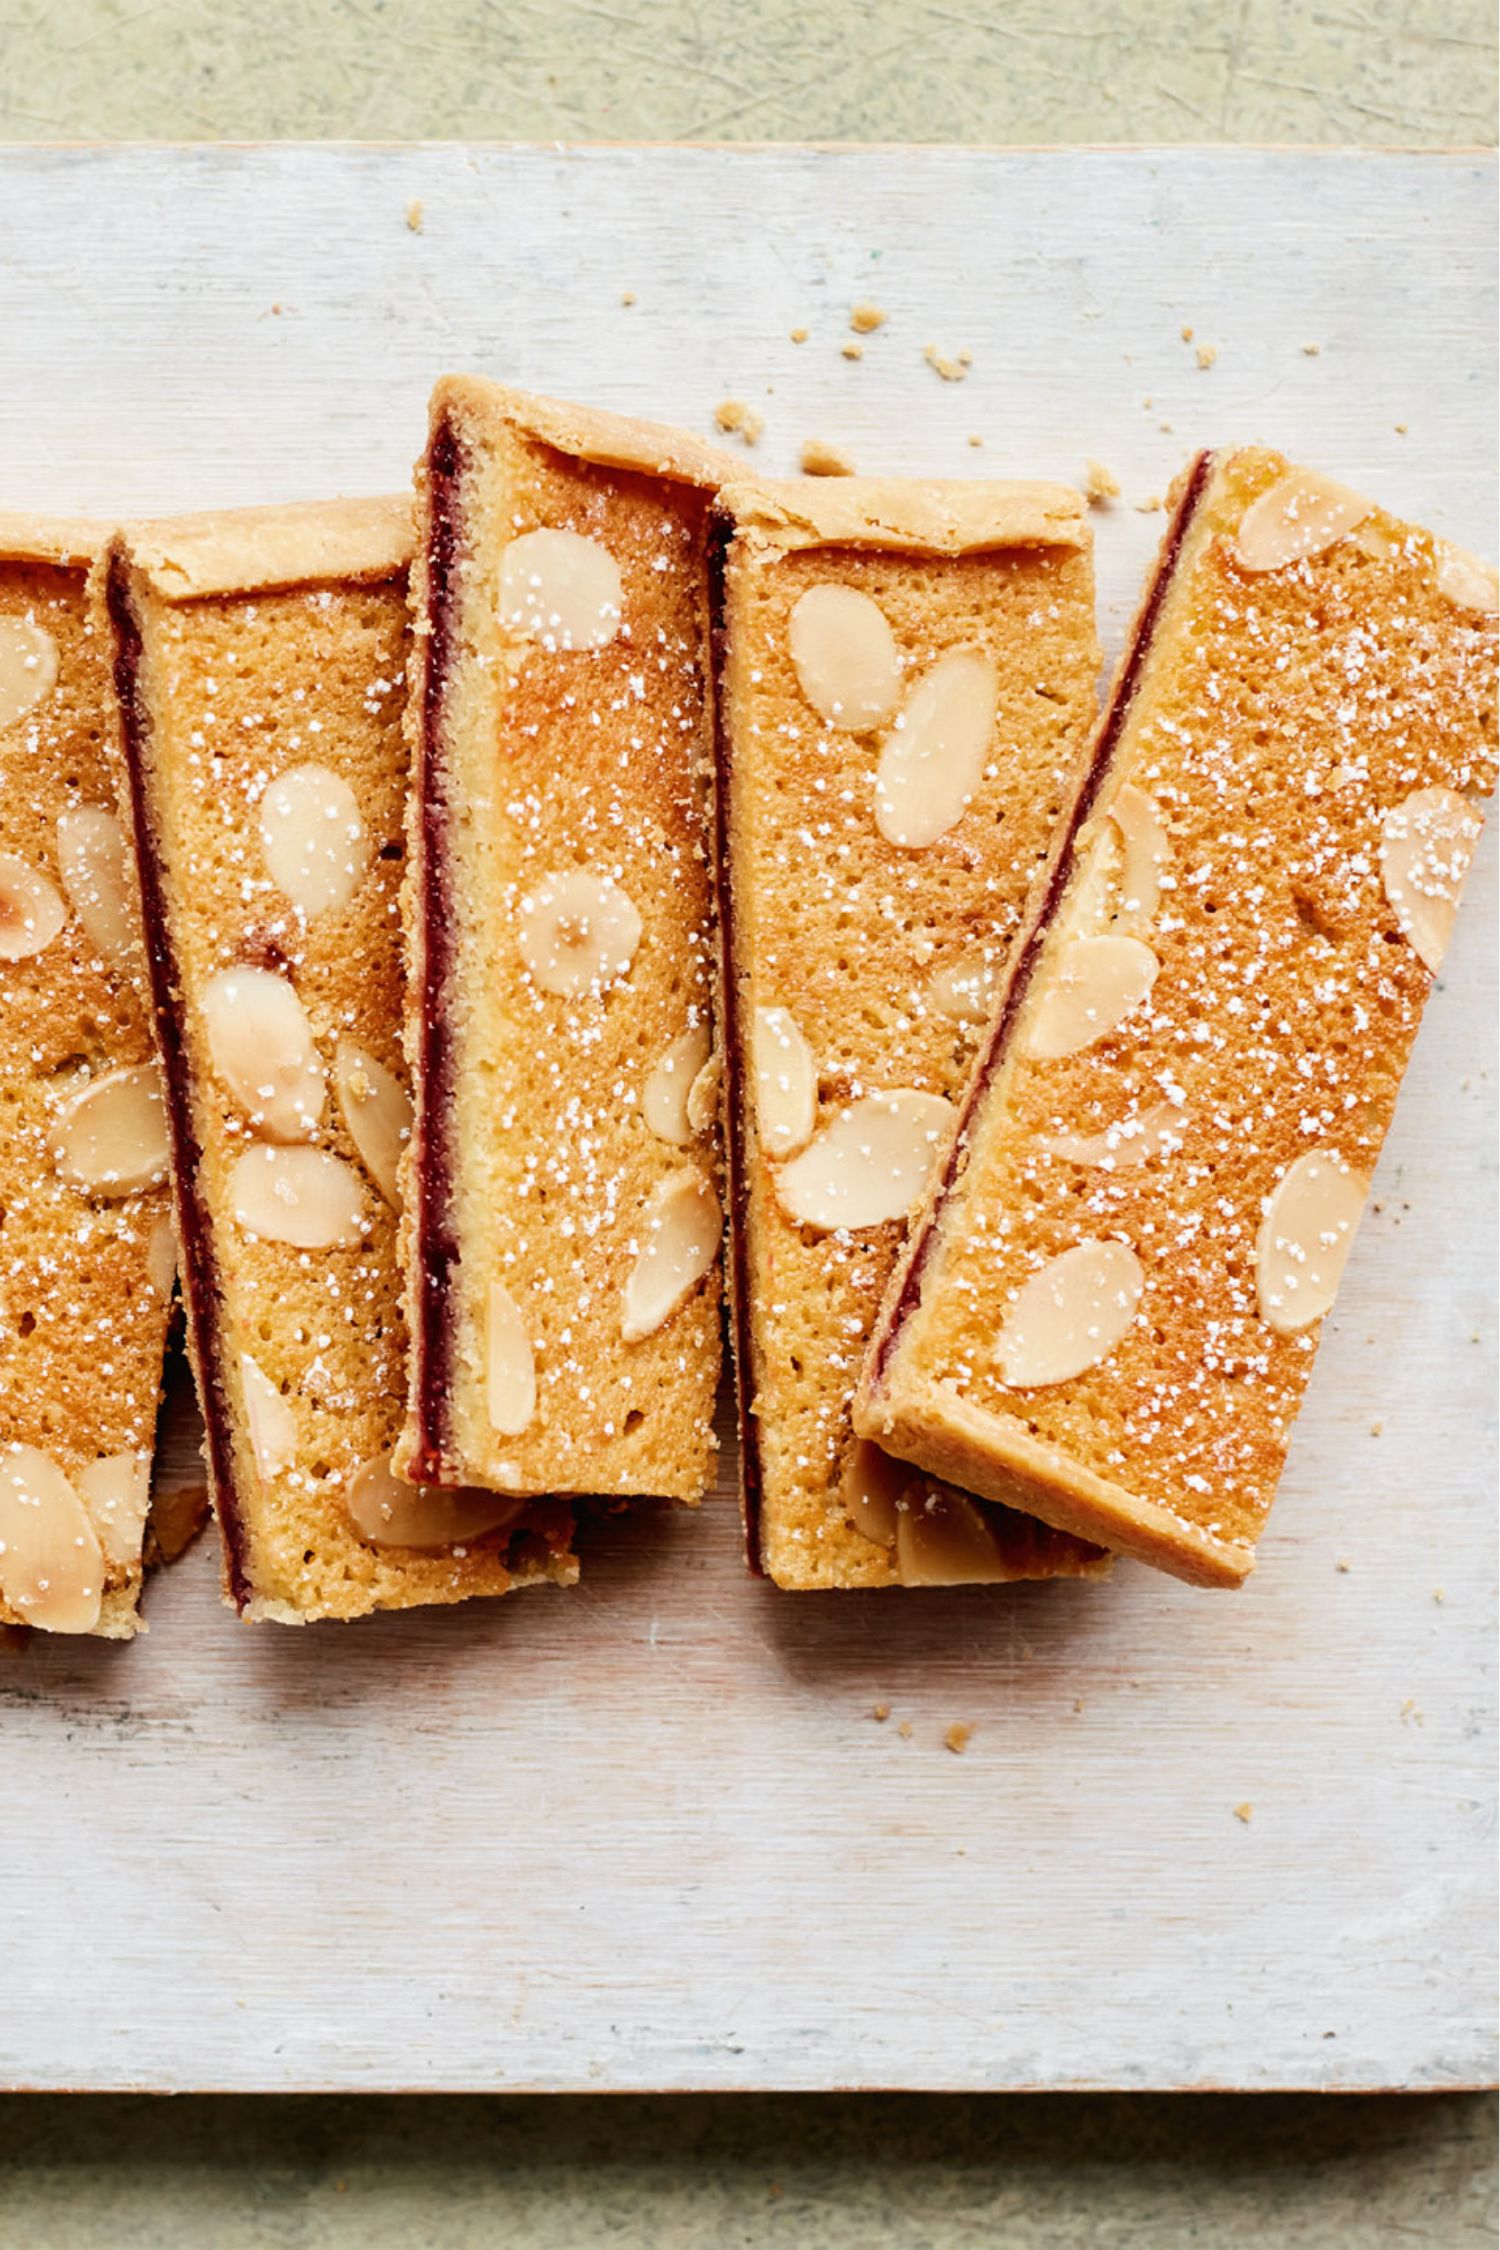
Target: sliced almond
314,840
869,1164
1095,985
28,668
847,662
680,1230
665,1100
269,1420
91,859
510,1365
870,1488
1070,1315
305,1196
1467,582
1305,1239
1426,845
703,1094
1301,515
1147,853
161,1255
377,1110
111,1138
578,933
933,757
116,1492
51,1563
966,989
261,1044
561,589
31,909
1158,1131
388,1513
786,1082
944,1539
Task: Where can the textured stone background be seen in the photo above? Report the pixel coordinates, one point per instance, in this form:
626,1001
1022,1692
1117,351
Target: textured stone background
1066,2172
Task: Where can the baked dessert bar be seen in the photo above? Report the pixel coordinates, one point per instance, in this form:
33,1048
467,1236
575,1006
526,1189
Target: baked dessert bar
562,1233
259,662
86,1257
905,684
1109,1309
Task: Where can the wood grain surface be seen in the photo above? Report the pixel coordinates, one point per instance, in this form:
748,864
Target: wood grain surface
651,1833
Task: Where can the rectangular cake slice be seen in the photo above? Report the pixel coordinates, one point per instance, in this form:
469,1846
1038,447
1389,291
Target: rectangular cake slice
1109,1309
86,1258
905,686
562,1232
259,663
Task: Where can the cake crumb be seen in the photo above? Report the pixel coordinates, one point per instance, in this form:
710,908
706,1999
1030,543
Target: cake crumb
820,459
178,1514
1410,1715
1207,354
1311,351
852,351
627,296
1187,332
1439,1596
1078,1703
732,415
1148,506
1342,1567
1099,484
1376,1428
1400,429
952,370
882,1713
975,438
957,1737
414,215
799,335
1244,1812
865,319
904,1730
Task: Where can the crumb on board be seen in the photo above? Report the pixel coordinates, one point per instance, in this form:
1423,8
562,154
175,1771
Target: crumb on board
1187,331
975,438
952,370
1099,484
1078,1703
957,1737
1244,1812
819,459
1342,1567
865,319
904,1730
852,351
1149,506
627,296
178,1514
735,418
414,215
1207,354
881,1713
1376,1428
1439,1596
1400,429
1311,351
1410,1715
799,335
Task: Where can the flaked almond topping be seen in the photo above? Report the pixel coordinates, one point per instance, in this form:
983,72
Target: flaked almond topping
111,1138
161,1254
666,1097
679,1233
561,589
92,863
389,1513
116,1492
1070,1315
51,1563
261,1044
1301,515
305,1196
1375,539
869,1164
31,909
510,1365
314,839
786,1082
1426,845
872,1484
578,933
846,657
965,989
1158,1131
1095,984
1467,582
377,1111
1147,852
943,1538
1305,1239
269,1421
28,668
932,759
703,1094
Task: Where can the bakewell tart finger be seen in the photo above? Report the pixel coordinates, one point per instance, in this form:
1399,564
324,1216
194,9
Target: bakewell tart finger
259,662
1109,1309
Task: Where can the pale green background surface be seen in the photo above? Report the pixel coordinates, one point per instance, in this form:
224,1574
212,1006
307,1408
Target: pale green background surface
849,2173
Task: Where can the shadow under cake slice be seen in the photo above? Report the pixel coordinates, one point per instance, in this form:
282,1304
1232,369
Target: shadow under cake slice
561,1239
1111,1304
905,686
86,1252
260,662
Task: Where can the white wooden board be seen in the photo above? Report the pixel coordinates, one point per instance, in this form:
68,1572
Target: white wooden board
649,1834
